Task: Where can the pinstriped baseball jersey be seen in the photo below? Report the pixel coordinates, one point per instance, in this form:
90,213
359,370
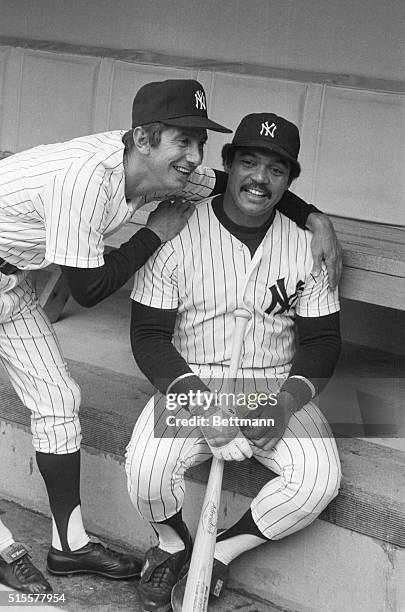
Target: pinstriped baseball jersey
205,272
58,201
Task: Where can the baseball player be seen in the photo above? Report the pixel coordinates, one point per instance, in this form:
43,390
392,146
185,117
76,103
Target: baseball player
237,250
57,204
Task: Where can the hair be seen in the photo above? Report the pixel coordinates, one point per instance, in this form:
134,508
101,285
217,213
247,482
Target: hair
228,155
153,131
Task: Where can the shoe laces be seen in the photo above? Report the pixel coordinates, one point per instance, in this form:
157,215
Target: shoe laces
162,577
165,575
27,570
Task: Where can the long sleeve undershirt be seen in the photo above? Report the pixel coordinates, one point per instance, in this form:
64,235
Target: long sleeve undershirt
89,286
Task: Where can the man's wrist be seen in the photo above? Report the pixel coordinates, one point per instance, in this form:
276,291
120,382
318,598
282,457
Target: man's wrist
300,388
199,405
288,403
173,387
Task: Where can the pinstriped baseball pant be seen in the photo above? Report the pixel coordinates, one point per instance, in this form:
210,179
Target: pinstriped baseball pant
30,353
305,460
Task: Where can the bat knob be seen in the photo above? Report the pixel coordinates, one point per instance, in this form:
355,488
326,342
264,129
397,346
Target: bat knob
242,313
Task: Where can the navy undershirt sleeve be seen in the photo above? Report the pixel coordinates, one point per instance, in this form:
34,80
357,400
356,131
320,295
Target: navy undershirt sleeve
89,286
318,350
295,208
319,346
154,353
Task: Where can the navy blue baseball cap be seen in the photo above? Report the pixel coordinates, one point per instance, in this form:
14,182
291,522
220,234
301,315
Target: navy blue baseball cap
177,102
269,131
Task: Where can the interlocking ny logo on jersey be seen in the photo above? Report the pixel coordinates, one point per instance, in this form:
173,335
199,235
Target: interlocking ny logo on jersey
268,130
279,297
200,100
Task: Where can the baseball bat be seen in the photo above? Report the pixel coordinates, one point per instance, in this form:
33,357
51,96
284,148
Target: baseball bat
199,574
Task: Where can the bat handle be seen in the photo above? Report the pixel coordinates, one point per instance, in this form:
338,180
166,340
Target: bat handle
242,316
242,312
200,570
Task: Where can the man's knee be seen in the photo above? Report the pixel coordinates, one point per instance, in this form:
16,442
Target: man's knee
56,427
144,480
155,478
318,492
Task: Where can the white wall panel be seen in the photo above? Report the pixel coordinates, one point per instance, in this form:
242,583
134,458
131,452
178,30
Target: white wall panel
127,78
352,140
233,96
4,52
361,155
10,100
57,97
309,132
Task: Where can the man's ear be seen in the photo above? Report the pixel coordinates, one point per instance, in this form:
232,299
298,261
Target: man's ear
290,180
141,140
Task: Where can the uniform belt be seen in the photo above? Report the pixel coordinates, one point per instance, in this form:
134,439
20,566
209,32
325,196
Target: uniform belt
7,268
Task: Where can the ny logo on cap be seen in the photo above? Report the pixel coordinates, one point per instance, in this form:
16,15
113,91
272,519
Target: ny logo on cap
268,130
200,100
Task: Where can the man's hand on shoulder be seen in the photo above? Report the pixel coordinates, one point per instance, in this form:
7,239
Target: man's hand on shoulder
169,217
325,246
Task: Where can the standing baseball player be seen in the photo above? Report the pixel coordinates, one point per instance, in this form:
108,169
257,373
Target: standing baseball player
57,204
237,250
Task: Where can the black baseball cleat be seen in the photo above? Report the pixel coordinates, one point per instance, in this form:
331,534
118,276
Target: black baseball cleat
94,558
219,580
159,574
18,572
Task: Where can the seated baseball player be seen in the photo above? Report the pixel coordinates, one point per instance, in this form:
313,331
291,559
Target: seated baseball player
237,250
57,204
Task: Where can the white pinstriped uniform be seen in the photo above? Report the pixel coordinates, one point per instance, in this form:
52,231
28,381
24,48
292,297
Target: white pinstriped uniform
57,203
205,272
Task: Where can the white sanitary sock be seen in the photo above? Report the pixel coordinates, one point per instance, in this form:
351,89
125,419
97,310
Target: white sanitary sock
227,550
76,534
6,537
169,539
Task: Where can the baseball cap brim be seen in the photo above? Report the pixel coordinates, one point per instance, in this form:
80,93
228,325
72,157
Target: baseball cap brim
259,144
193,121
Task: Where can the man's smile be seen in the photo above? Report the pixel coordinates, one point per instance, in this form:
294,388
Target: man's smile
183,170
255,191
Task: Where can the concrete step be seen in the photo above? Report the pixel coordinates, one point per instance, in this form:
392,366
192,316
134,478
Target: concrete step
352,559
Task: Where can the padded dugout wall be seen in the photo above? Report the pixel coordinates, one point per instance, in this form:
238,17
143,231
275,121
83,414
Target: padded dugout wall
352,138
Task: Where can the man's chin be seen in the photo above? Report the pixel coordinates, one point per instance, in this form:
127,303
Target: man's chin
180,179
173,187
258,209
